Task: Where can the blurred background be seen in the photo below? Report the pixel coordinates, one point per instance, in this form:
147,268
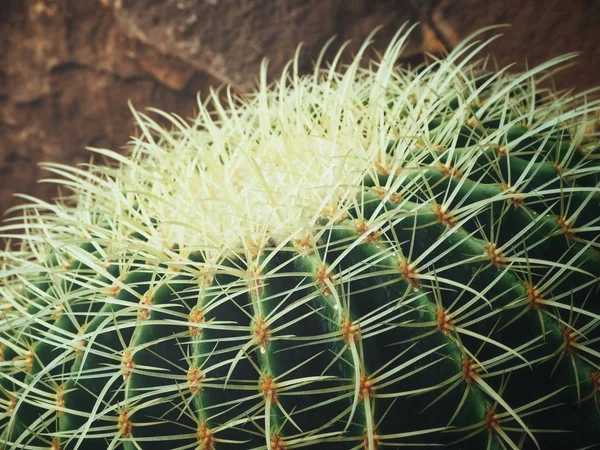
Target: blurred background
68,67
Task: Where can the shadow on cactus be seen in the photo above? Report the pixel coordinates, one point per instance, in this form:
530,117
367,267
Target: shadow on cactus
365,257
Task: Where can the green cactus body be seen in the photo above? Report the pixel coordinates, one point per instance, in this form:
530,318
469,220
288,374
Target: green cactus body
367,258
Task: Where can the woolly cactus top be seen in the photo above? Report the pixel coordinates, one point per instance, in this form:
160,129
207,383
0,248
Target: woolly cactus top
271,164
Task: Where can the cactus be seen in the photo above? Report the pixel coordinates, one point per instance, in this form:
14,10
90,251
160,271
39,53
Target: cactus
368,256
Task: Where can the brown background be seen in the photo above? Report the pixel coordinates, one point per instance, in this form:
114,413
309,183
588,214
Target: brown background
68,67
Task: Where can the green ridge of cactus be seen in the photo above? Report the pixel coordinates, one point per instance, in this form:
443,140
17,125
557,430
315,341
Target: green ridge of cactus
368,256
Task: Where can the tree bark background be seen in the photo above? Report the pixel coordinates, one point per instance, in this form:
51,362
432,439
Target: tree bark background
69,67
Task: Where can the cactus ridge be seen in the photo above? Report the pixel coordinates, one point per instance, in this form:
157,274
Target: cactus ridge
360,258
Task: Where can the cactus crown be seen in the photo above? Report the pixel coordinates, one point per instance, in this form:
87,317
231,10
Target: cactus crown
359,257
271,164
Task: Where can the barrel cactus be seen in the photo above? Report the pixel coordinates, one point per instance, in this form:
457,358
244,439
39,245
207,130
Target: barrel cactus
368,256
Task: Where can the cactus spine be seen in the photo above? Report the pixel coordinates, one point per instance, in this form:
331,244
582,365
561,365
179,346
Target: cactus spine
365,257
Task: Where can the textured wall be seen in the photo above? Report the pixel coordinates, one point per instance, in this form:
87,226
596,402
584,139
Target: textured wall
68,67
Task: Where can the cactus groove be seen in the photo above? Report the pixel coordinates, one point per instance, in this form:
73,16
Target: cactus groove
365,257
